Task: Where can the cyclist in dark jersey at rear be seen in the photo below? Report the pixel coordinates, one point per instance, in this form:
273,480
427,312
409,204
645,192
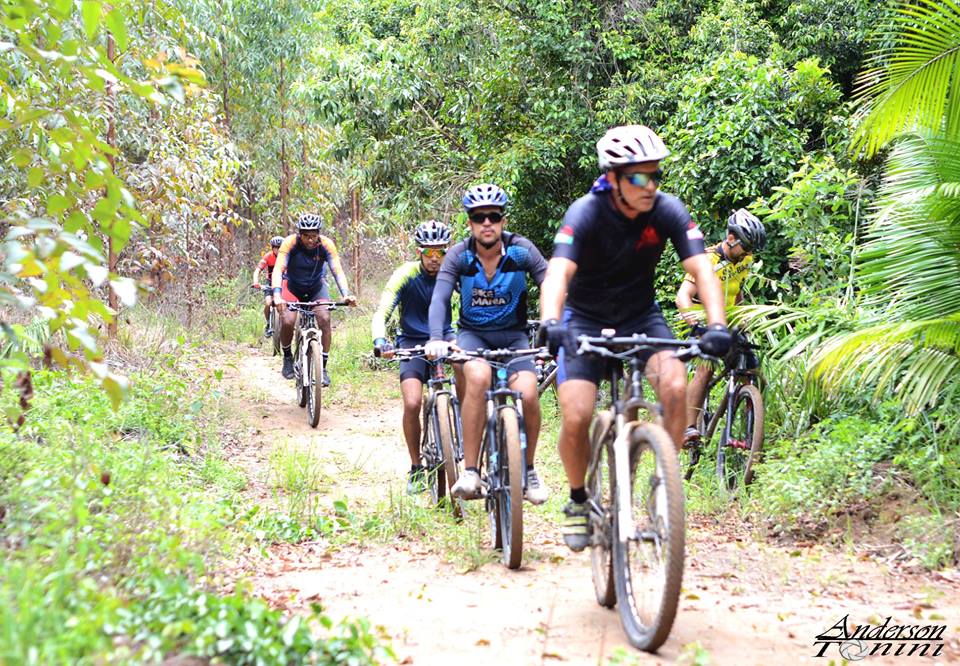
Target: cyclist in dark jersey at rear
603,265
267,262
299,276
409,289
491,269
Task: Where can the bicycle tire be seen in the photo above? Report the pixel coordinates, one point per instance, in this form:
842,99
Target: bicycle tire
490,501
300,376
600,471
275,327
510,497
446,429
314,383
662,528
735,464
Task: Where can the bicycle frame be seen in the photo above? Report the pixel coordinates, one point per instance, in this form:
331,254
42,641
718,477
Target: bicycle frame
499,397
440,384
735,377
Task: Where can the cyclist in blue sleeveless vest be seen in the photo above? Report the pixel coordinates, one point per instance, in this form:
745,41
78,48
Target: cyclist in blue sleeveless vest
491,269
603,267
409,290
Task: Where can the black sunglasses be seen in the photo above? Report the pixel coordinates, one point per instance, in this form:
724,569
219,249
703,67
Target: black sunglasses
641,179
478,218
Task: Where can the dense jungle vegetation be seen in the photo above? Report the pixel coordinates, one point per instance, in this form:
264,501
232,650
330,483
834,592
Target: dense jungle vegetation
149,149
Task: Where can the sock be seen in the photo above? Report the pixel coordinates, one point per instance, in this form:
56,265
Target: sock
530,467
578,495
473,469
287,353
414,468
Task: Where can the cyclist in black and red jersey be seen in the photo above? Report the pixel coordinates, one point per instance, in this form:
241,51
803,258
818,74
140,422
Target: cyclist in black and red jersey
267,262
302,263
603,267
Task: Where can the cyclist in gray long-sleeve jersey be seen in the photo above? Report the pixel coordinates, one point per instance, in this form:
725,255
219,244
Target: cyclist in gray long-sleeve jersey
491,269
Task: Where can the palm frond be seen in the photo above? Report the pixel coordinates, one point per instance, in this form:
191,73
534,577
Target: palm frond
909,264
919,360
915,82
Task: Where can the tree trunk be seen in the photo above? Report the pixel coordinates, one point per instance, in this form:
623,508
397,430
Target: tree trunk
355,207
284,182
224,84
112,141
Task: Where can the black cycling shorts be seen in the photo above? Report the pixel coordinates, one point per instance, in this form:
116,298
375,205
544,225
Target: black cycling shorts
592,368
471,340
416,368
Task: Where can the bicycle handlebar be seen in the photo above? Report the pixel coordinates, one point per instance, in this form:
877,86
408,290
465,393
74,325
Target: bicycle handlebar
307,305
628,347
497,355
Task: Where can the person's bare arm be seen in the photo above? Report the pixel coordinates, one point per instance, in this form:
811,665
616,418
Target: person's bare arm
708,288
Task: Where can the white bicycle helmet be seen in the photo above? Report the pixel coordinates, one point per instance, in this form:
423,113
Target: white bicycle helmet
629,144
430,233
308,222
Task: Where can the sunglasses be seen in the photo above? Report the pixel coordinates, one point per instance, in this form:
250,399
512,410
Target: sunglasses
433,252
478,218
641,179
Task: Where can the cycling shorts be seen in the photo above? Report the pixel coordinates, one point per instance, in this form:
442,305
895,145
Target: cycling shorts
592,368
471,340
415,368
319,293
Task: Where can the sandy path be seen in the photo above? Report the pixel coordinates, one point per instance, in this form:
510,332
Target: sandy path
744,601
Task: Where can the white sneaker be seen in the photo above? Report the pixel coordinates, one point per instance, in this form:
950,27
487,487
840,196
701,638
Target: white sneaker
467,486
536,492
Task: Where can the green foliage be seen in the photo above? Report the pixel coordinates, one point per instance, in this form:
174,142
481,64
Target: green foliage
114,524
741,128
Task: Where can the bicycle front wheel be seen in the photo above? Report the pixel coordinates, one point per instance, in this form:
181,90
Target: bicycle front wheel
446,431
314,382
275,327
510,497
648,557
738,454
600,476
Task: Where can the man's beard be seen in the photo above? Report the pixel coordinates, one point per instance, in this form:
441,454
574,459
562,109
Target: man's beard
489,246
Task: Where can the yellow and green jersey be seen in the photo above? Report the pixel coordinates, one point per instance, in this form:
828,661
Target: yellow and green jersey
731,275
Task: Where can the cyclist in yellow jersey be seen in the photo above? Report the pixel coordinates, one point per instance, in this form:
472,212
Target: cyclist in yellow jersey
731,259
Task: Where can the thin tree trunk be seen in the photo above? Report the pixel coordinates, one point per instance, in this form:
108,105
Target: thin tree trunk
284,182
355,205
112,141
225,87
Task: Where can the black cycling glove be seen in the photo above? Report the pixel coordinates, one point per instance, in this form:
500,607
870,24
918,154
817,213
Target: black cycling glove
554,334
716,341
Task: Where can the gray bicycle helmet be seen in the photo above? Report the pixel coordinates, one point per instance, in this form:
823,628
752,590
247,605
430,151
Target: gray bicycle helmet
276,241
748,228
484,195
432,232
309,222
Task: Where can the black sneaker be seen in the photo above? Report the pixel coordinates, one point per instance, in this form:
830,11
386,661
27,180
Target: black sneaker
576,526
287,371
417,481
326,378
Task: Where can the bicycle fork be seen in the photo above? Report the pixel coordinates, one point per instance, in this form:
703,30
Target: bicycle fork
621,465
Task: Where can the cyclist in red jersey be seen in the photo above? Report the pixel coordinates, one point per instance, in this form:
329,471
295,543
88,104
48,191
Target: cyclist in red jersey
267,262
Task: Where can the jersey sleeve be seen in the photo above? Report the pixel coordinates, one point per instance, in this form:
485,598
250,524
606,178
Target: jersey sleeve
447,280
333,258
684,233
390,298
283,256
263,261
536,264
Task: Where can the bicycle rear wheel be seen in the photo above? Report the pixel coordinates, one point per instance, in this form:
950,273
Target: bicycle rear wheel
313,382
600,487
648,564
510,497
446,431
737,455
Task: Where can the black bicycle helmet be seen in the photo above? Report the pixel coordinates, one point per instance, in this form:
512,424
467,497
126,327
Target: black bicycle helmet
745,226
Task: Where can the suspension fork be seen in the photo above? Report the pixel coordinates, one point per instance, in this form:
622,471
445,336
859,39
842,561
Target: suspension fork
621,464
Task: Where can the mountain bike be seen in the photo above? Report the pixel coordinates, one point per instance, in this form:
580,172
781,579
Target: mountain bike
308,356
441,445
274,323
635,496
546,368
741,438
503,454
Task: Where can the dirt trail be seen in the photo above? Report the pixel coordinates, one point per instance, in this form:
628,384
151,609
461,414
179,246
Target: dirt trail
744,601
